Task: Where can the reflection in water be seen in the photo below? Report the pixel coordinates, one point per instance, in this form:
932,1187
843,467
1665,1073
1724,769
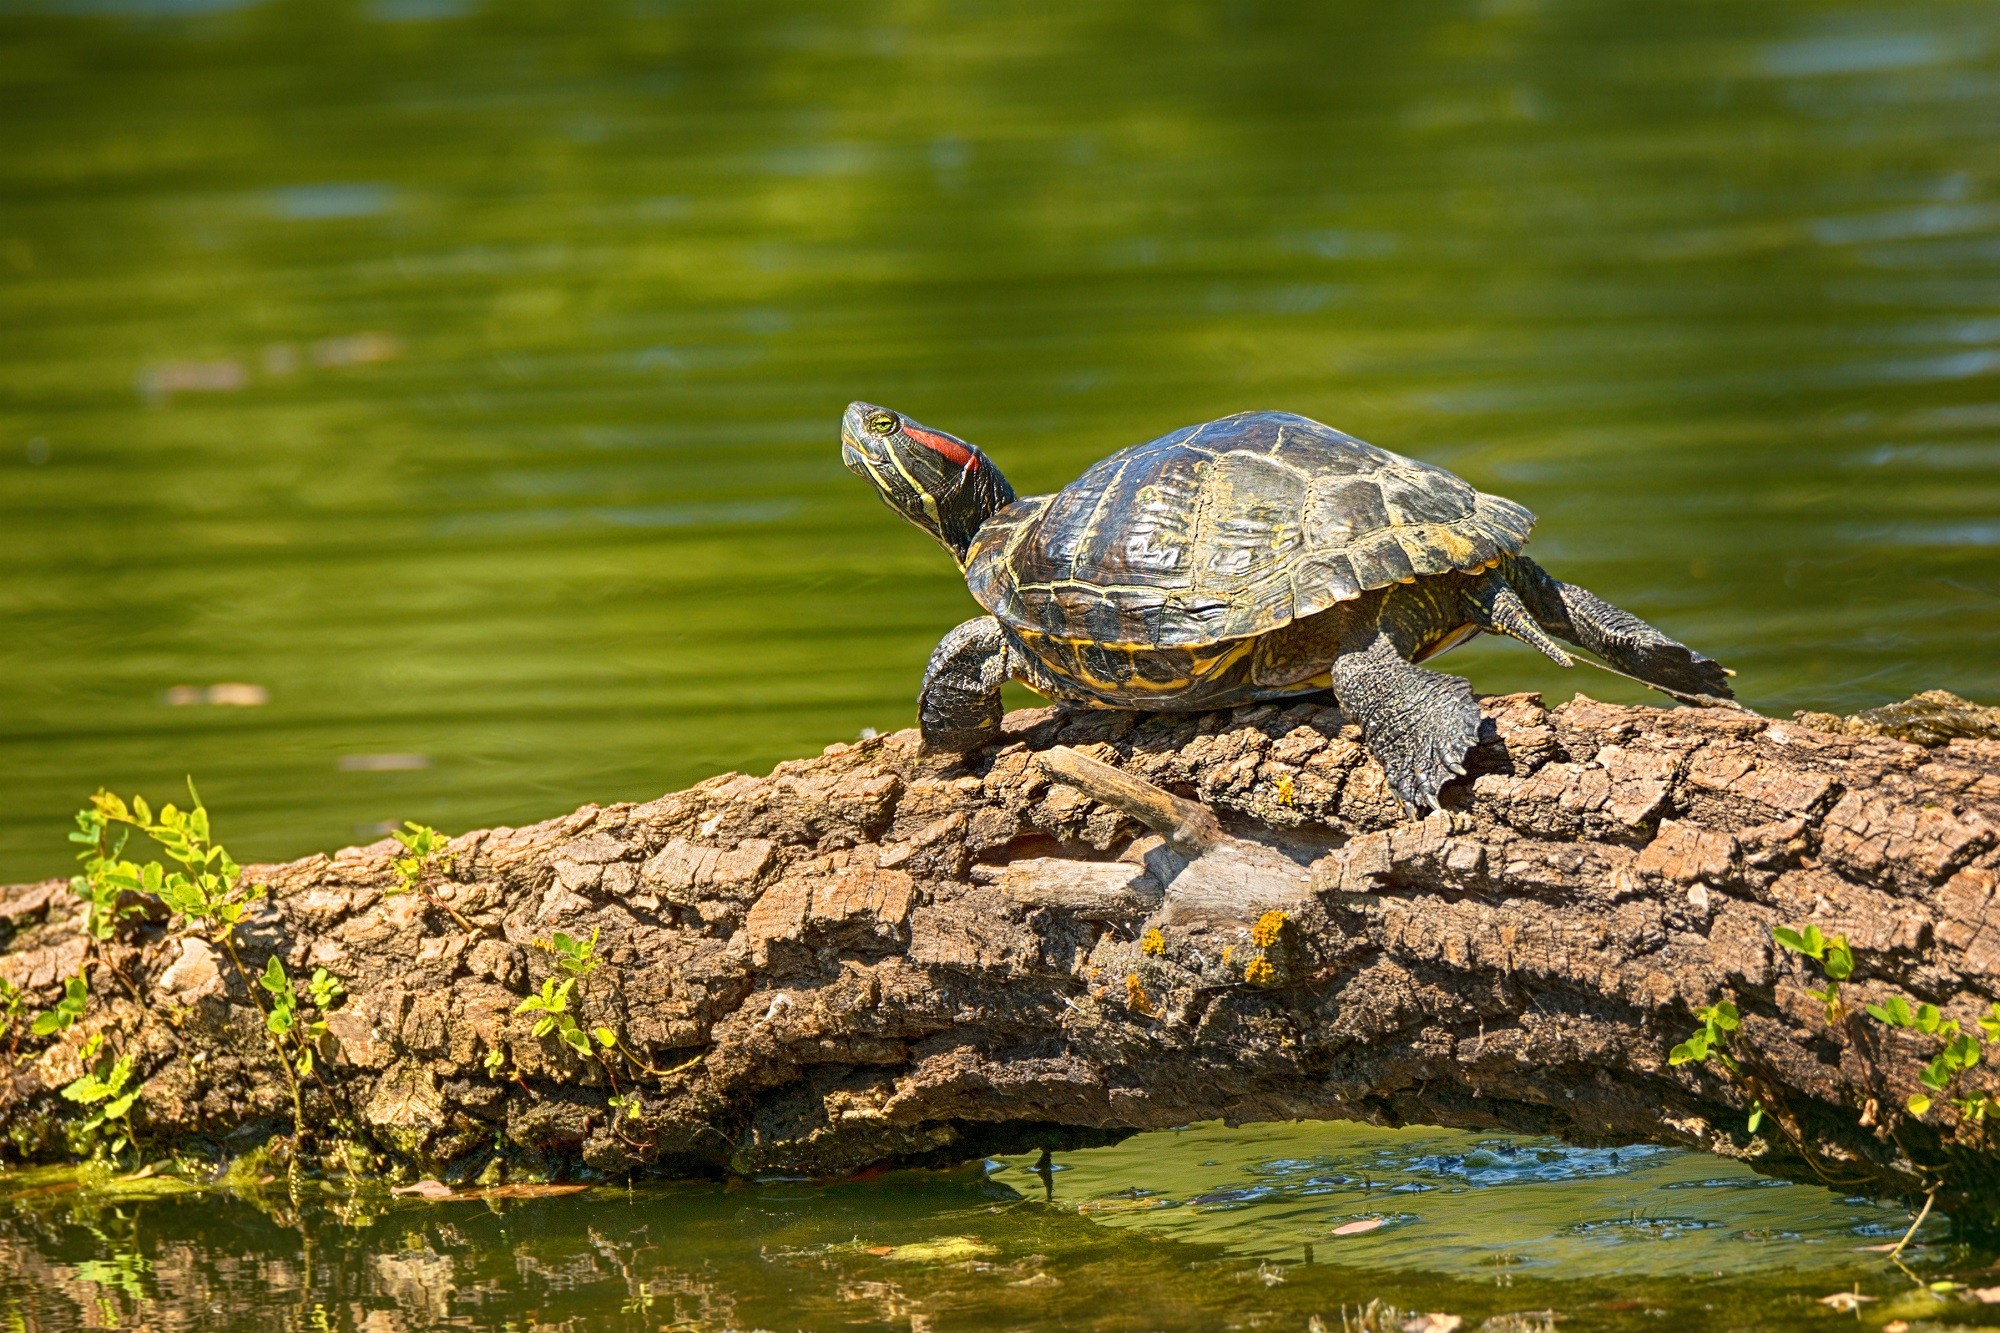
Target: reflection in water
1240,1229
1455,1202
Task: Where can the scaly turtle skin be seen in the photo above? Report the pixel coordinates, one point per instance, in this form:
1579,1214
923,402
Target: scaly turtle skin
1257,557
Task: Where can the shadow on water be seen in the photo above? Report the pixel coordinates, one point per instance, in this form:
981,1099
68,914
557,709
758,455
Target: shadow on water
1201,1228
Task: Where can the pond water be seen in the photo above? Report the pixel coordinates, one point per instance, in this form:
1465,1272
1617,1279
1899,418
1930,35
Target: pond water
1203,1228
426,409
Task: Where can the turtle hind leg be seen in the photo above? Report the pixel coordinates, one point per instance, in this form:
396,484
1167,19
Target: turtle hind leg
1419,723
1624,641
959,706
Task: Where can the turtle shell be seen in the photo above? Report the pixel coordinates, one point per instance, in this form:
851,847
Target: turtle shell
1230,529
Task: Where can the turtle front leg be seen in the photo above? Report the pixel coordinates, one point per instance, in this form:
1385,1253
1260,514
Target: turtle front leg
1619,637
1419,723
959,706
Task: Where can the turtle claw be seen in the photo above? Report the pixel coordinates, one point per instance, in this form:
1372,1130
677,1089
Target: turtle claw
1627,644
959,707
1419,723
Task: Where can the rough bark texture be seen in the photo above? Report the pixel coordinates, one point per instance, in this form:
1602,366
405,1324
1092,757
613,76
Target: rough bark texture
877,955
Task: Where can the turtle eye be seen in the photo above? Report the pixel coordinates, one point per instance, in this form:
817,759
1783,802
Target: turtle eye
883,423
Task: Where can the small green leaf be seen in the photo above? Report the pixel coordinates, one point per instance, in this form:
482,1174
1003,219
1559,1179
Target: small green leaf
1756,1115
1919,1105
606,1037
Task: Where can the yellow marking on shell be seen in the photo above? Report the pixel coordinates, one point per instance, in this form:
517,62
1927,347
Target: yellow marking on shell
1202,666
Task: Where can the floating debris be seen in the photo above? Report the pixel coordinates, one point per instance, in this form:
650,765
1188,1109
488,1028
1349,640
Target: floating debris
383,763
163,379
357,349
227,694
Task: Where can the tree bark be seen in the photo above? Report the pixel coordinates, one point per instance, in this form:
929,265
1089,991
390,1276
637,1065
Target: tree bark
879,955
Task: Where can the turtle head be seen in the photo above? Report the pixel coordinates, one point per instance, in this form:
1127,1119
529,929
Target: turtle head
937,481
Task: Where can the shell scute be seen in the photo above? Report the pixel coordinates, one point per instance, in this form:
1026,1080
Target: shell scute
1227,530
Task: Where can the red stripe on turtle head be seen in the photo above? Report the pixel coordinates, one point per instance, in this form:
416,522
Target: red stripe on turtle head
942,445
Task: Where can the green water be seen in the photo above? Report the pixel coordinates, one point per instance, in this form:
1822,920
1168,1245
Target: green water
462,379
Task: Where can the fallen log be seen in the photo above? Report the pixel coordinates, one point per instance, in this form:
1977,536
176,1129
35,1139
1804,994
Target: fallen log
1103,923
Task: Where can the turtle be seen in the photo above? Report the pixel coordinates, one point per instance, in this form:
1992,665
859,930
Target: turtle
1262,556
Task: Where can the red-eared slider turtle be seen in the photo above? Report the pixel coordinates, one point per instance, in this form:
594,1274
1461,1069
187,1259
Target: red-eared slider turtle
1262,556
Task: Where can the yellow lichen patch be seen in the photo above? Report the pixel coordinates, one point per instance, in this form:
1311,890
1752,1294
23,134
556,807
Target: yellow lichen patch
1136,998
1260,973
1153,943
1282,786
1269,926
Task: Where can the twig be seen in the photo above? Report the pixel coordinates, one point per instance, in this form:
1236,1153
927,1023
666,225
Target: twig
1189,827
284,1061
1929,1198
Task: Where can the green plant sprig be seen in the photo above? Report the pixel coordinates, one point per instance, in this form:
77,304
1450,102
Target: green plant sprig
75,1000
106,1090
13,1003
1960,1051
626,1108
286,1020
107,877
1705,1044
426,857
1718,1020
577,958
552,1003
1835,959
205,889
